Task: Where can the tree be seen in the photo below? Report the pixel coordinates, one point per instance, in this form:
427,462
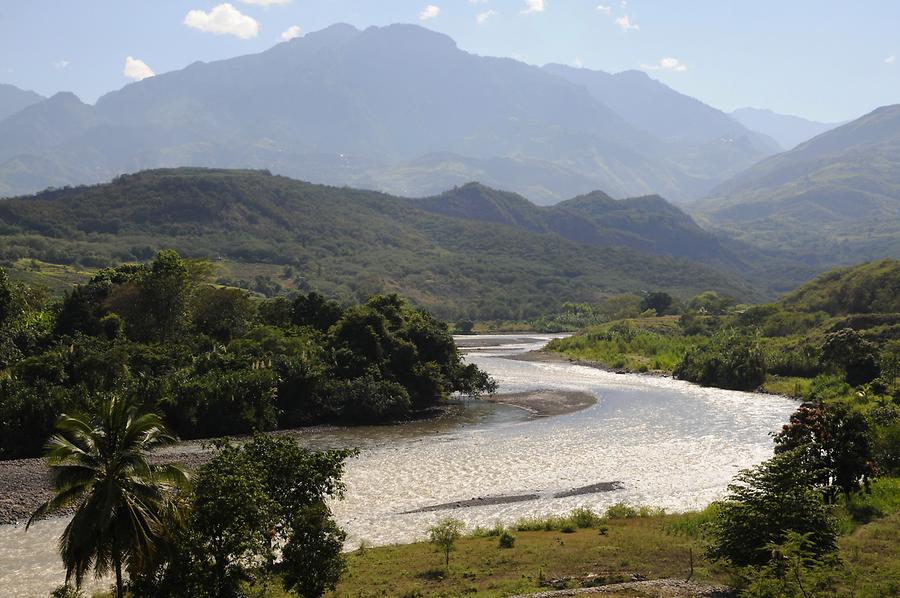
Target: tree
848,351
657,301
249,502
312,560
836,440
710,303
314,310
100,465
444,536
767,502
222,313
231,519
165,294
465,327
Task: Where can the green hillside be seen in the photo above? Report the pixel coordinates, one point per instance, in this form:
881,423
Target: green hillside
648,224
867,288
830,201
271,234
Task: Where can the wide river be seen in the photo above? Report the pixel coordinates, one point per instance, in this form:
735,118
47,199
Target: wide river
671,444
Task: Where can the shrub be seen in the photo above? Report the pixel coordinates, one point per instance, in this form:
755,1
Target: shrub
507,540
444,536
765,504
731,360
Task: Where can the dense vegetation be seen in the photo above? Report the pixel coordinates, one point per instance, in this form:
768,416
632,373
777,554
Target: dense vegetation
215,360
273,235
844,324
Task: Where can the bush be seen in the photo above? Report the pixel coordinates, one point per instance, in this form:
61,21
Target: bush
507,540
731,360
765,504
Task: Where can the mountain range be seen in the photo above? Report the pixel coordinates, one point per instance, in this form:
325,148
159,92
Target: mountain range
833,199
788,130
13,99
400,109
472,251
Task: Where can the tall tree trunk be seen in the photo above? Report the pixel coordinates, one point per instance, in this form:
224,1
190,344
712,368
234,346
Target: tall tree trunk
120,587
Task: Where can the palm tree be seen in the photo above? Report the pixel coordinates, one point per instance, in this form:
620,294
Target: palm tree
122,502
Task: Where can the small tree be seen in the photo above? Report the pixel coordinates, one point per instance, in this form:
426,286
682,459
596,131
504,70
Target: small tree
837,443
848,351
313,560
658,301
444,536
766,503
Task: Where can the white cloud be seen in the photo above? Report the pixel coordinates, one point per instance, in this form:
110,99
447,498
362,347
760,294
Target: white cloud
666,64
579,63
625,24
290,33
890,59
604,9
61,64
483,17
429,12
533,6
266,2
224,19
137,69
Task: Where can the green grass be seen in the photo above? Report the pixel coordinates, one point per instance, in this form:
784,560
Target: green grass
638,345
789,386
479,566
625,541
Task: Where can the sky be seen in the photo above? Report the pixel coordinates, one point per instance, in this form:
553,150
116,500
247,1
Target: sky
825,60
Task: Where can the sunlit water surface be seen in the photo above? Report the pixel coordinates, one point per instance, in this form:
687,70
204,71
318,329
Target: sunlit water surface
671,444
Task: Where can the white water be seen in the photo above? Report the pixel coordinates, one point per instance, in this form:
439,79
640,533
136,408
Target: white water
670,443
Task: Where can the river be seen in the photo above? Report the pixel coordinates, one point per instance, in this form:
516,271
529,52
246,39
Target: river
668,443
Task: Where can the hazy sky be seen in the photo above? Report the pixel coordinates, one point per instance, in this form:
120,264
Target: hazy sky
822,59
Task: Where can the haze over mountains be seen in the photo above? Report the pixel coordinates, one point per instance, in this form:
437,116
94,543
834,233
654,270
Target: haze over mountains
833,199
13,99
789,131
397,108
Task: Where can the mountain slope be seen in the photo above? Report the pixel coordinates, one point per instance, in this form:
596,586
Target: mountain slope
710,142
397,108
347,243
789,131
834,199
648,224
13,99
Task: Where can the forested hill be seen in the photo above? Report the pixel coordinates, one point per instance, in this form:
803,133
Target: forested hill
648,224
273,233
870,288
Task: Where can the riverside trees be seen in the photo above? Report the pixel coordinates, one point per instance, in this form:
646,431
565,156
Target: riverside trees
215,361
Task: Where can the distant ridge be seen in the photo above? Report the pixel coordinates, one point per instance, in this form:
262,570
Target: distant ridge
13,99
832,200
789,131
398,108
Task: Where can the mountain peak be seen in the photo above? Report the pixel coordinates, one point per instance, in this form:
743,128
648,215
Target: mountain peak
405,36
